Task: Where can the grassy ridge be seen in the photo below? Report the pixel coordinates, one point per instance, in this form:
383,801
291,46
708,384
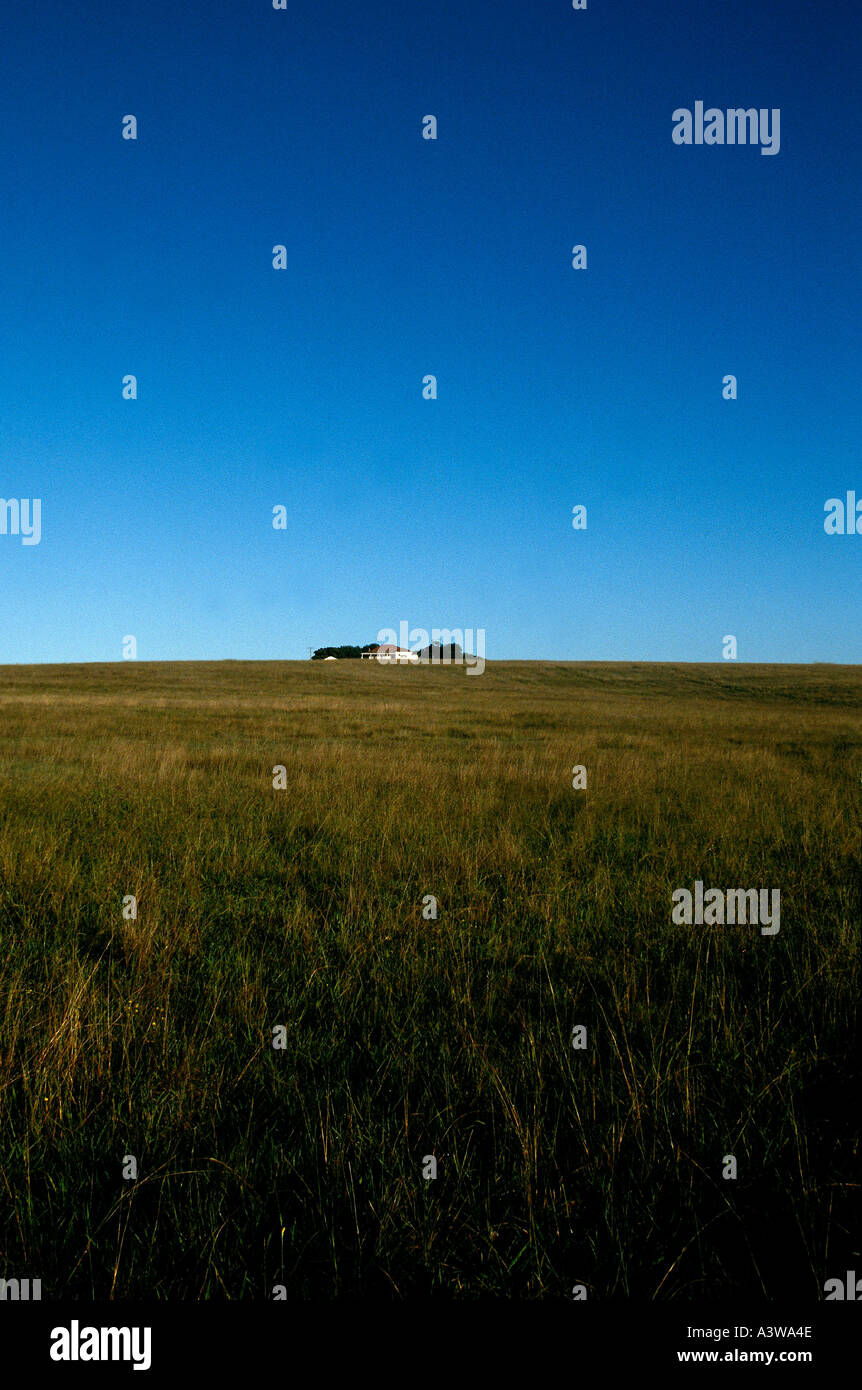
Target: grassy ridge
408,1037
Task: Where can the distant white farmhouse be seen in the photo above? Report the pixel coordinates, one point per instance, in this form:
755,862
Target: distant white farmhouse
330,658
389,653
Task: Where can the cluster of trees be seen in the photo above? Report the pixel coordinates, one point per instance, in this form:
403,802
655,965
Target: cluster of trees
440,651
342,651
437,651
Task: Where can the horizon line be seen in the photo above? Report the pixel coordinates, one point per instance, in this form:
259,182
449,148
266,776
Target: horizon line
496,661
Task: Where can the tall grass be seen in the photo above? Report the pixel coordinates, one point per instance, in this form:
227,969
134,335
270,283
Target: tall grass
409,1037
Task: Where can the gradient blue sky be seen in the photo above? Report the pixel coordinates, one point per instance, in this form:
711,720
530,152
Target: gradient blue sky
406,257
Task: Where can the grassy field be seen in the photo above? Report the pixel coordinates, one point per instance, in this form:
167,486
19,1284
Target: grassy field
408,1037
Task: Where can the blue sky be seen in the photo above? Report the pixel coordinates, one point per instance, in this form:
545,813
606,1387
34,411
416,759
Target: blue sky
406,257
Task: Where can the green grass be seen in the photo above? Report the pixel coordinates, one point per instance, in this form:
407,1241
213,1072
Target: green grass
408,1037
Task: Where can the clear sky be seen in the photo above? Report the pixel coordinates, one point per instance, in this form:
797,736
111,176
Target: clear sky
302,387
